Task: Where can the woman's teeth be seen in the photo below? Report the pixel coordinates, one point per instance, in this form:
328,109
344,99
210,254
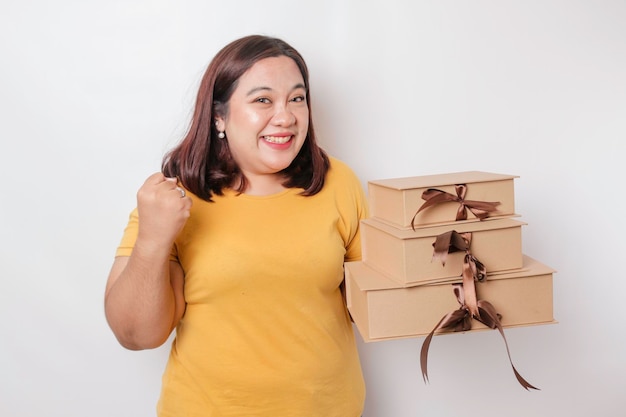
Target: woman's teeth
277,139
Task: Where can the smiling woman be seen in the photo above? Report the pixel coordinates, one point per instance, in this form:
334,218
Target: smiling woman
239,245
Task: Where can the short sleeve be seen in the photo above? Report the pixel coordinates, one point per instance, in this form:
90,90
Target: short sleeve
129,238
353,249
352,205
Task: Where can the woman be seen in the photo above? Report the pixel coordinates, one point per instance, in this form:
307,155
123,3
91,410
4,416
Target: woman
239,245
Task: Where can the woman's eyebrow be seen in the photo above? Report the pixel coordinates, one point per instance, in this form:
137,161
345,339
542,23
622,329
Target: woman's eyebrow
264,88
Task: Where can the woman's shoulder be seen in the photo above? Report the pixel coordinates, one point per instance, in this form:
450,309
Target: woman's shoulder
341,173
339,167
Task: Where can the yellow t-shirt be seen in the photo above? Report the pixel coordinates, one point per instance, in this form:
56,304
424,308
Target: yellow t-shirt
266,331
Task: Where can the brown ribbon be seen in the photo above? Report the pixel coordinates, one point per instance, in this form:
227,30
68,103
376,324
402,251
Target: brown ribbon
473,269
433,196
471,307
459,321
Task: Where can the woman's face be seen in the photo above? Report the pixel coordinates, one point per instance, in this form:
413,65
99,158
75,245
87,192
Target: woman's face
268,117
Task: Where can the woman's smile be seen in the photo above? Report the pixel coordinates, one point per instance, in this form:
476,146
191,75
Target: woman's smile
280,140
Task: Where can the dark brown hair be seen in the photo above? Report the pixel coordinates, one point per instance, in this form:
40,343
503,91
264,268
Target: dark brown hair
203,163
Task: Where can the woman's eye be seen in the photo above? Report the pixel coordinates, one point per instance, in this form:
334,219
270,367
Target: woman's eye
263,100
298,99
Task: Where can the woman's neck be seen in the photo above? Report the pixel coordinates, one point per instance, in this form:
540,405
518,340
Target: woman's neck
266,184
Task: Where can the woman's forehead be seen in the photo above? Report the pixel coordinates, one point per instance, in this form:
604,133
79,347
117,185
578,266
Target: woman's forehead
271,73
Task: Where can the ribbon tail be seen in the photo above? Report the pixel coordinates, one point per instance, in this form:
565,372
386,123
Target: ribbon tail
481,209
441,247
448,242
452,319
527,386
424,351
492,320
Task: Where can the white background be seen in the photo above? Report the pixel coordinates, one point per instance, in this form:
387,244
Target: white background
93,93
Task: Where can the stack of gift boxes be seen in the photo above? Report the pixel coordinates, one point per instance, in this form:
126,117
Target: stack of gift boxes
434,242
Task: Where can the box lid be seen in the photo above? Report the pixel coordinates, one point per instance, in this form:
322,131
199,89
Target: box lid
461,227
439,180
369,279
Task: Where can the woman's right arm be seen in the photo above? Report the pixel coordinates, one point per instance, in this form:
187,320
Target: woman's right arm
144,297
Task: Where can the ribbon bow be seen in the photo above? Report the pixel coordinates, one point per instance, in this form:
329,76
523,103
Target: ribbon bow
471,308
433,196
459,321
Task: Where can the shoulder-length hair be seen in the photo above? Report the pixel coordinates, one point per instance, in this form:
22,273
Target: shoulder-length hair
202,162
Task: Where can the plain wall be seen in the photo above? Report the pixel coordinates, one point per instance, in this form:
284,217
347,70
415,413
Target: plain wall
93,93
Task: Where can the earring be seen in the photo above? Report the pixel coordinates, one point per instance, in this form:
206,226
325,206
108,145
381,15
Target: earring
220,134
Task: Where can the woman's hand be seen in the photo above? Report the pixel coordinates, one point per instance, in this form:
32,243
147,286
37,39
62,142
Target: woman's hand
163,210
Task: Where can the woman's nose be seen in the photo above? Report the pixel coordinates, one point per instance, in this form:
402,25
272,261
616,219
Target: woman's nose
283,117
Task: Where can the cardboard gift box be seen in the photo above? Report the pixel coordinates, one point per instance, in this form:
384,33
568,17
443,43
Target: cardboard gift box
382,311
406,255
396,200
